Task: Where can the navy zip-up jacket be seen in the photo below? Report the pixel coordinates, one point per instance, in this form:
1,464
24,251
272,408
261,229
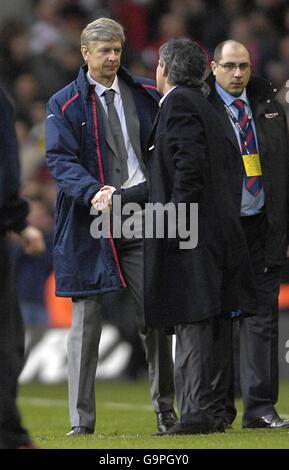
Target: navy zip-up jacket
76,152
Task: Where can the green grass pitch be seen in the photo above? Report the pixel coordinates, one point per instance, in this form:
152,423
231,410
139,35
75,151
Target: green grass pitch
125,420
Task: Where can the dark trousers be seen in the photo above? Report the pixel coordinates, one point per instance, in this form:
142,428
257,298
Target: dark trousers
12,434
259,373
258,335
222,371
193,363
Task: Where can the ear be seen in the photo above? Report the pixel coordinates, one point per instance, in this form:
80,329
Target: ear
165,70
85,53
213,67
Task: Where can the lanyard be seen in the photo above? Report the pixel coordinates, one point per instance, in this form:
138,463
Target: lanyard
237,125
236,122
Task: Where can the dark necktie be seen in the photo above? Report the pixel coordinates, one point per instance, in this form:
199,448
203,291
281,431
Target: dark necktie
252,183
117,133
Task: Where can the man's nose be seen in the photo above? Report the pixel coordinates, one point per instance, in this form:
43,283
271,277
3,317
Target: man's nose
113,54
237,71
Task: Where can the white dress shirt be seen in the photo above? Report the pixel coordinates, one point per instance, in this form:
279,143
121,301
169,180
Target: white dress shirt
250,205
135,174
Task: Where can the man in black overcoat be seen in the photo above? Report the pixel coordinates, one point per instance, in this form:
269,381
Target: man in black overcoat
187,285
263,210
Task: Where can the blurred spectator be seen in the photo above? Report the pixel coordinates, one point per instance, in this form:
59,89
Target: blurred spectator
195,14
17,9
139,68
30,157
42,40
265,35
170,25
284,50
97,8
73,18
15,55
285,22
133,15
240,31
277,72
45,31
25,91
28,269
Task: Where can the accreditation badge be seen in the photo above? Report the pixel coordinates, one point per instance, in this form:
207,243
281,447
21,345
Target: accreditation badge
252,164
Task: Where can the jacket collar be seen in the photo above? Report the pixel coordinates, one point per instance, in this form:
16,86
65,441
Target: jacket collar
122,73
258,89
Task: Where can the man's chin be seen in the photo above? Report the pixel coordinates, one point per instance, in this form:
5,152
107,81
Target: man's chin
236,90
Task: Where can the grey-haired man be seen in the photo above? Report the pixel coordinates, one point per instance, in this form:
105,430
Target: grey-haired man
97,132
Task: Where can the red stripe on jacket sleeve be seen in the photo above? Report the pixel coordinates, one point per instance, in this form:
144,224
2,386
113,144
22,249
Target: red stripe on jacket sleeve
67,103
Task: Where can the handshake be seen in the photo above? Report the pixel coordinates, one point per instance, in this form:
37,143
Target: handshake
103,198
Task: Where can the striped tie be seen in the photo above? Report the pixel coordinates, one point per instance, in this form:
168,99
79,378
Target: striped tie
252,183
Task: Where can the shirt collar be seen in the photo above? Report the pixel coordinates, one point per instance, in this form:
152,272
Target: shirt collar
228,98
100,89
164,97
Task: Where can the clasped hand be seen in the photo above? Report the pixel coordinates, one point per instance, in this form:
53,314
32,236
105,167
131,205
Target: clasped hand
103,198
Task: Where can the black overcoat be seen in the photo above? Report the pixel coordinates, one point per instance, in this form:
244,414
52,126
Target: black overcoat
272,132
187,163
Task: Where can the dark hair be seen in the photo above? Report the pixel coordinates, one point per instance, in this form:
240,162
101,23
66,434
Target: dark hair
186,61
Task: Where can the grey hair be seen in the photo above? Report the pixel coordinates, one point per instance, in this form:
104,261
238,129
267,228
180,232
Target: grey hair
102,29
186,62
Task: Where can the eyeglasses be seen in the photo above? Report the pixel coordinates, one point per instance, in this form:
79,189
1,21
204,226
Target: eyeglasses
230,67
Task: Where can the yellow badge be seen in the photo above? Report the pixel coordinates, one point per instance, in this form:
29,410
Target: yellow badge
252,164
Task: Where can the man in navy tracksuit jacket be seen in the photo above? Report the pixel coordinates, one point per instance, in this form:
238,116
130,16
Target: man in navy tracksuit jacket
83,157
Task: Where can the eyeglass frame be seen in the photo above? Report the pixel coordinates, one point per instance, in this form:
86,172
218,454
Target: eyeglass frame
231,67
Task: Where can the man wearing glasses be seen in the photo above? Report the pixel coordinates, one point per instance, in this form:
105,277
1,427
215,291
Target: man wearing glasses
258,158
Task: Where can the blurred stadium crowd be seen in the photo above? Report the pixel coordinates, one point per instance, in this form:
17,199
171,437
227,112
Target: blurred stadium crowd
39,54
